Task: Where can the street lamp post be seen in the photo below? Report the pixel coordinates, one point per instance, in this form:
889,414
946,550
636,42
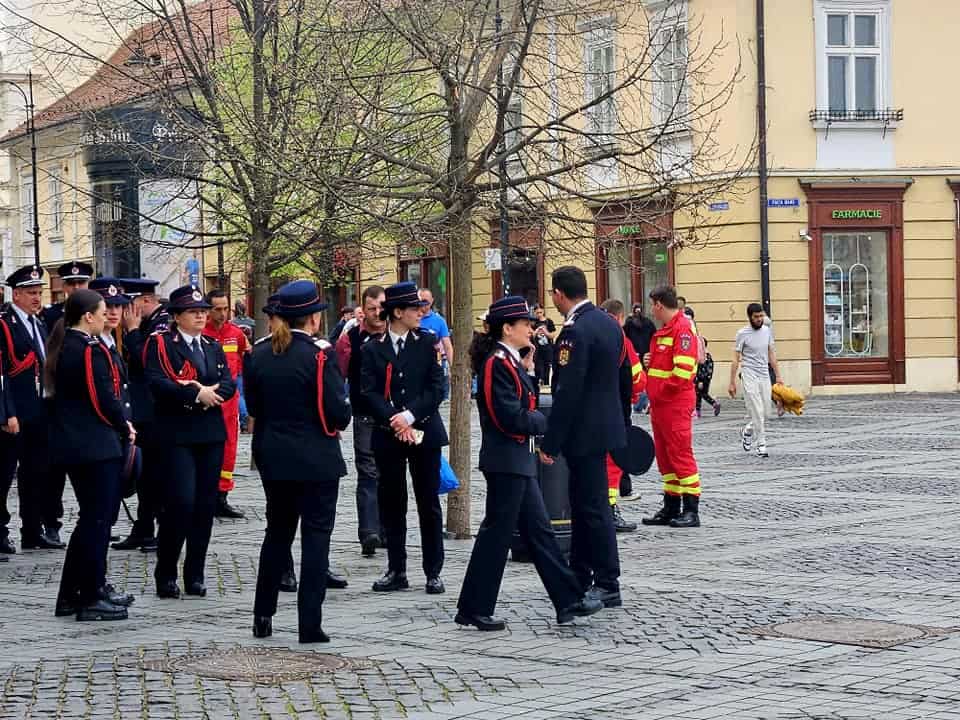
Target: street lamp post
32,131
502,170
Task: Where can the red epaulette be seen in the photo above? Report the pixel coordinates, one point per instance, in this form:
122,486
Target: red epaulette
187,372
17,365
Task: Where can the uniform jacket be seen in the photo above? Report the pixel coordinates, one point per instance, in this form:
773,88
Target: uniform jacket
178,416
638,378
591,386
120,364
413,381
349,348
134,344
300,405
50,314
87,419
507,400
673,362
22,370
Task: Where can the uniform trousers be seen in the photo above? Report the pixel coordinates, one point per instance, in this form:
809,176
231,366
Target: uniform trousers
392,459
150,481
314,504
98,489
29,449
368,514
189,501
673,444
514,502
594,557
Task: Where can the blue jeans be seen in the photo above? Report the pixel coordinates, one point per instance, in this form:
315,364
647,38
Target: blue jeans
642,403
243,400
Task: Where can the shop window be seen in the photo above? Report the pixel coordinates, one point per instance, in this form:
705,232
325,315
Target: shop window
855,295
430,273
631,268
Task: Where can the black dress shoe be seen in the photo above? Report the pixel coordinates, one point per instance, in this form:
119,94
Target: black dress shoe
226,510
40,542
101,610
149,545
4,558
288,581
313,636
480,622
52,540
585,606
168,590
609,598
262,626
114,538
391,582
435,586
130,542
369,545
7,547
66,608
110,594
335,582
195,588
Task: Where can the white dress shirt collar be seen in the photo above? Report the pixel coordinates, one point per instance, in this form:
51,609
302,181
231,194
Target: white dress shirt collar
514,353
577,307
188,338
107,338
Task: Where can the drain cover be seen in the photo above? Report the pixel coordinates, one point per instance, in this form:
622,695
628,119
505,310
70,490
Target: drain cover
262,666
850,631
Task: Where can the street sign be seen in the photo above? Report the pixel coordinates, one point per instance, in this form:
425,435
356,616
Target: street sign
783,202
719,206
491,259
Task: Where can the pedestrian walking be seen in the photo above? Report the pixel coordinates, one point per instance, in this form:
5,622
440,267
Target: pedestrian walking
754,357
349,351
190,380
89,427
591,385
544,334
24,444
234,344
673,364
506,401
296,393
433,321
704,378
402,381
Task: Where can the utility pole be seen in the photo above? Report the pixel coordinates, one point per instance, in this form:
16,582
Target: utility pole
32,132
502,170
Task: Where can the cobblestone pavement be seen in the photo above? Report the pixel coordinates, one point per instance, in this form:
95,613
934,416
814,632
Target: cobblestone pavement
854,516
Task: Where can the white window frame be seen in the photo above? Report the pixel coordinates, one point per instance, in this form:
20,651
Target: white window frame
601,119
55,192
882,9
26,209
671,73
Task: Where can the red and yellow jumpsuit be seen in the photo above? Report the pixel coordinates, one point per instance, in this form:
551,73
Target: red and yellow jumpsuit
234,344
670,387
639,380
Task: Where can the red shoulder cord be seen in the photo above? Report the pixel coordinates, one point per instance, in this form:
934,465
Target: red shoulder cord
386,385
321,362
18,366
91,384
187,372
488,394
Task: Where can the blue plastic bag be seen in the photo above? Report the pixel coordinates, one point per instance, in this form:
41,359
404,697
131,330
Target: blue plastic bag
448,480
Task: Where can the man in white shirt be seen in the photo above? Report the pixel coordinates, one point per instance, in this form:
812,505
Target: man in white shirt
754,354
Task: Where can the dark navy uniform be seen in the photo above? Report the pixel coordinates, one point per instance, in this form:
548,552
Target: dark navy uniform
299,404
150,443
587,422
392,383
22,349
89,424
73,274
506,398
193,446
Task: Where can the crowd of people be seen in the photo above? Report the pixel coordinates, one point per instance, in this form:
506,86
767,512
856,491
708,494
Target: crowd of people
121,391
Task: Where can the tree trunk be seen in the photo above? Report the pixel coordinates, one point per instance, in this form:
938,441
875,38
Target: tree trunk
461,271
261,278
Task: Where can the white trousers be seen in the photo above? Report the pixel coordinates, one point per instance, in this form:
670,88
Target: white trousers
756,393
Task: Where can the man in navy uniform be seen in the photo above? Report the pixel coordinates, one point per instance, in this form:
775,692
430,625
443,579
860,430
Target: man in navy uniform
153,318
24,440
402,380
586,422
74,275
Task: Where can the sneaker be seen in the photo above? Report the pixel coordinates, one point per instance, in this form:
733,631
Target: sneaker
632,497
746,437
716,409
621,524
762,451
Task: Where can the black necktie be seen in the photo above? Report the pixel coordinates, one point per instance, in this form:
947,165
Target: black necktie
198,360
399,346
37,337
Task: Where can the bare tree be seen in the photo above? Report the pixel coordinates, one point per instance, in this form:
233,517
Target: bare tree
532,109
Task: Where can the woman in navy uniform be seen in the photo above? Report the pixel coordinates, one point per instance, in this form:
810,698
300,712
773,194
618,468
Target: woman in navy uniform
401,377
89,427
189,378
296,393
507,399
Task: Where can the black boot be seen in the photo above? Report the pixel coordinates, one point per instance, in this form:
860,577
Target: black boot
226,510
691,513
666,514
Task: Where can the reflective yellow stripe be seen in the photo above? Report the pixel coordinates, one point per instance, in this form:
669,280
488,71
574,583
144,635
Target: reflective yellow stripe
613,494
664,341
692,480
668,477
689,359
685,374
226,475
653,372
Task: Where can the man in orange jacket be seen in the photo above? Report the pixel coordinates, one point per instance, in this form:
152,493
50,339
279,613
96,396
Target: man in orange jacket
672,367
638,379
234,344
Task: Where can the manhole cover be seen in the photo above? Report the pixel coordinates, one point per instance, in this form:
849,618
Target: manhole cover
263,666
850,631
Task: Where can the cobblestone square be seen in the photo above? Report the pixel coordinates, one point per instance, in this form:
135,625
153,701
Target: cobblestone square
854,516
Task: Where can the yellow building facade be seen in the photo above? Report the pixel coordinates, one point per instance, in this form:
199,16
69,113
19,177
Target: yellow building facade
861,212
